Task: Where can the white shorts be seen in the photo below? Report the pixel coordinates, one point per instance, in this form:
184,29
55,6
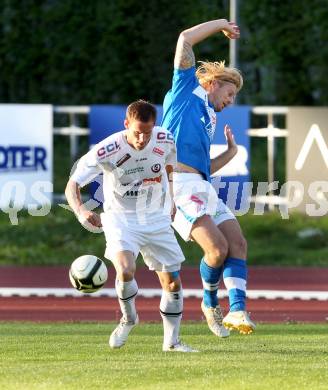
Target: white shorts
156,241
193,198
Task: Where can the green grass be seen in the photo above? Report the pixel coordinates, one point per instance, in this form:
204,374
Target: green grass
274,241
58,238
76,356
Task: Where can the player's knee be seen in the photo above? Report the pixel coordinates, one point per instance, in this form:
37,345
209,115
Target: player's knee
175,285
238,247
217,254
171,283
125,274
243,245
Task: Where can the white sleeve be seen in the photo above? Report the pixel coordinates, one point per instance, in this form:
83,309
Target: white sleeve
171,158
86,169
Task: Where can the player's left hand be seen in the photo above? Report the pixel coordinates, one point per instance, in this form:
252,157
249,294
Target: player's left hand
230,138
231,30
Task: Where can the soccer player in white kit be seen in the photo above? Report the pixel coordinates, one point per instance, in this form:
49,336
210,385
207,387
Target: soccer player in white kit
135,164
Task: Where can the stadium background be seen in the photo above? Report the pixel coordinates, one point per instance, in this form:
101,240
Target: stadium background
112,52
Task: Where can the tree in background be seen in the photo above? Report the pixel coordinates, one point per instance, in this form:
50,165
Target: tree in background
284,51
115,51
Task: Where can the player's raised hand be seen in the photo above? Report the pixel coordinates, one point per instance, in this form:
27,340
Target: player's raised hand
230,138
231,30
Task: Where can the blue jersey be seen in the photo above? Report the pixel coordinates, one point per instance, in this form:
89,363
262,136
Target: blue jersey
190,117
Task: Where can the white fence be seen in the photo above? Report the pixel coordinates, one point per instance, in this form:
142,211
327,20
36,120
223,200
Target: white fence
270,132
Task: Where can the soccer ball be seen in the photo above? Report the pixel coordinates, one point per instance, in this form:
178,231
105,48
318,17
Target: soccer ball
88,273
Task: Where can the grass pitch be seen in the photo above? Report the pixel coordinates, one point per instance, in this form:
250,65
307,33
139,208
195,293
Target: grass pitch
77,356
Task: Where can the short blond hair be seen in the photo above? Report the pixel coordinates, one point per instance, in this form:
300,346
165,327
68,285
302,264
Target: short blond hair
209,71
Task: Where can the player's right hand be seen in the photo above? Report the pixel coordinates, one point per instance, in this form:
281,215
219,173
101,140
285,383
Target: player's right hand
173,211
86,216
231,30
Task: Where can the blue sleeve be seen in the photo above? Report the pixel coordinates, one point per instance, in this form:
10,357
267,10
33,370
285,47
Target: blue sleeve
183,83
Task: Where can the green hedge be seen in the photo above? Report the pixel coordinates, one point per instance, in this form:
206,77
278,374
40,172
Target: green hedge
58,238
106,51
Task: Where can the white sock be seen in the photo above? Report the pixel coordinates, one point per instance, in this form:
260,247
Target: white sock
127,292
171,308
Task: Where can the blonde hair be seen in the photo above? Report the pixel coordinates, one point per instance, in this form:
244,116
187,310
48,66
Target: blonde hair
209,71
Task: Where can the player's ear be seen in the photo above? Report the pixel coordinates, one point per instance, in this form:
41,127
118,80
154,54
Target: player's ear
126,123
209,85
215,82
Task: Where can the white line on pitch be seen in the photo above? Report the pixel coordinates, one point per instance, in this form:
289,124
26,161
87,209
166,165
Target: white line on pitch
156,292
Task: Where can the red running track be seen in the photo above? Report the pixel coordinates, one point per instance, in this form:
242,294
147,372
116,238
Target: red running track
107,309
268,278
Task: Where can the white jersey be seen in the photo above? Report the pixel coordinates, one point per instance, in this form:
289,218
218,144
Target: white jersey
133,180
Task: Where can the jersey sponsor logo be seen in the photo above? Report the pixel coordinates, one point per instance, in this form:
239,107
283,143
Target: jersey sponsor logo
156,168
123,159
152,180
163,138
22,158
108,150
141,159
134,184
158,151
133,170
134,193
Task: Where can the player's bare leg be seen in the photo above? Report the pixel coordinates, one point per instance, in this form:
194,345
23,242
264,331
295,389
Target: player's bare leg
235,278
127,290
215,248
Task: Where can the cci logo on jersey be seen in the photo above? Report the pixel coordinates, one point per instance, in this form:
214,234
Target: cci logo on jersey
162,137
108,149
156,168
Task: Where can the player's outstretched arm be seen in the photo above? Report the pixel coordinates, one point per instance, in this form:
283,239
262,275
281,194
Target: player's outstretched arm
184,55
223,159
169,171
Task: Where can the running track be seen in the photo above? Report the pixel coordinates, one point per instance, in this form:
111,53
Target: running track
106,309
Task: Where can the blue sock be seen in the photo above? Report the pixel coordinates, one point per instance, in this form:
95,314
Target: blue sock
210,278
235,278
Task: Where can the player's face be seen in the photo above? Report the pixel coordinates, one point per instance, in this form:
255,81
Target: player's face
221,94
138,133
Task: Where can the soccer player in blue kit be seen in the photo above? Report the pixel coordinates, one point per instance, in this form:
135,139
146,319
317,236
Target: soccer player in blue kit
189,112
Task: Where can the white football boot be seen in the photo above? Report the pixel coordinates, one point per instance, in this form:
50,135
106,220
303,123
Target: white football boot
214,319
178,347
239,320
121,332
